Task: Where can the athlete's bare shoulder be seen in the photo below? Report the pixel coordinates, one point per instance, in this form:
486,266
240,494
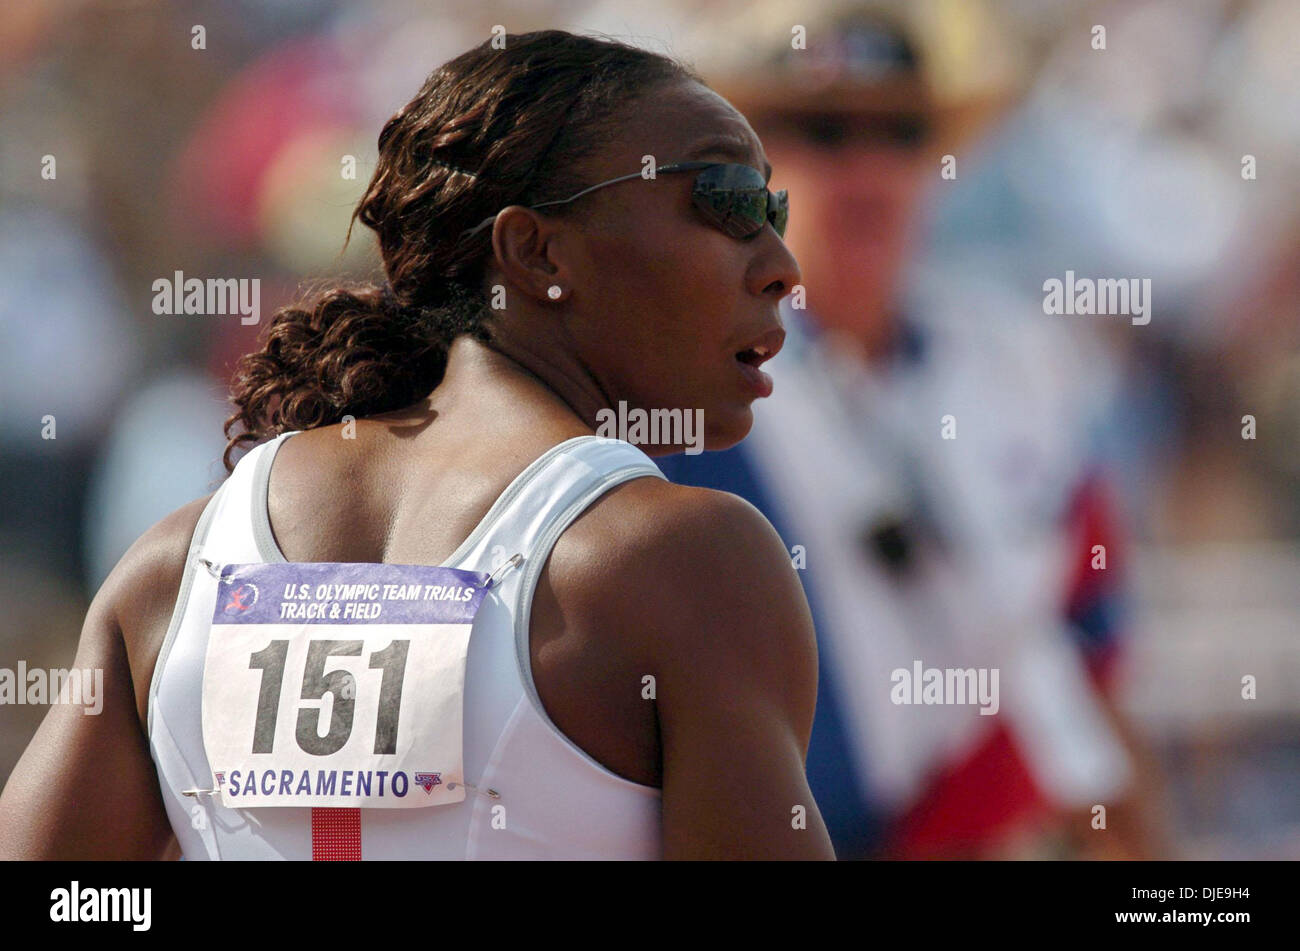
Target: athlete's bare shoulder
684,559
693,589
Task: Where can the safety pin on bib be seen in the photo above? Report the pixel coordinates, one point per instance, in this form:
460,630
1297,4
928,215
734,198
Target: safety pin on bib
490,793
210,568
513,561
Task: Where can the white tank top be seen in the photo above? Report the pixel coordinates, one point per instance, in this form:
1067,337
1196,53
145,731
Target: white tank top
559,803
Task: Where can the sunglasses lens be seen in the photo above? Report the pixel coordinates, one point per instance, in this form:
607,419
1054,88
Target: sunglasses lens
779,212
734,198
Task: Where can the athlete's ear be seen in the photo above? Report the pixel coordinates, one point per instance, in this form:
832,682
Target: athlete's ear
529,250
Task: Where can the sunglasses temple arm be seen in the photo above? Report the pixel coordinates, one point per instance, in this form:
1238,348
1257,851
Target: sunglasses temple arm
547,204
677,167
585,191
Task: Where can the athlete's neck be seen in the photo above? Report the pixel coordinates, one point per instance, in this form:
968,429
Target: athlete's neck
562,380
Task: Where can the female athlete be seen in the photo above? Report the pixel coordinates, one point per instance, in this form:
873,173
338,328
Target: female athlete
568,225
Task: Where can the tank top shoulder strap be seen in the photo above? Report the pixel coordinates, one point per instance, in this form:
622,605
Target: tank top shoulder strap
569,476
249,486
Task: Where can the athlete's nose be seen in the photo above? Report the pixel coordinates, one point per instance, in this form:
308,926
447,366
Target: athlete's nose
775,272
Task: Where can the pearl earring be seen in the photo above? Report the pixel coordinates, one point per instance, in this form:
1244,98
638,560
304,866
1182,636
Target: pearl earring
554,292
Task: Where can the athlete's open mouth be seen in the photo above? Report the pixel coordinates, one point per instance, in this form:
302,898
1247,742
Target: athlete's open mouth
754,356
762,348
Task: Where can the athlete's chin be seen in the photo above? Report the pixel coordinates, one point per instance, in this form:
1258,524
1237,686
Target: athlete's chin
714,438
727,428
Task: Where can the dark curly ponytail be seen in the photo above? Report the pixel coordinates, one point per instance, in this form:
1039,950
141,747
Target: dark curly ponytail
492,127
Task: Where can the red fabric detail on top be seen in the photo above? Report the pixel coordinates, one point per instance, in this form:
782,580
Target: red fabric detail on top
336,835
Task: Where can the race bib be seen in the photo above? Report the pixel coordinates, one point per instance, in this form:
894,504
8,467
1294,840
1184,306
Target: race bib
338,684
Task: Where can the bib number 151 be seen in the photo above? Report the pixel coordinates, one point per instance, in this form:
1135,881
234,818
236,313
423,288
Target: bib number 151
316,683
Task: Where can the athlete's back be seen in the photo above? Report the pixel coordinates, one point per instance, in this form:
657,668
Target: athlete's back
535,793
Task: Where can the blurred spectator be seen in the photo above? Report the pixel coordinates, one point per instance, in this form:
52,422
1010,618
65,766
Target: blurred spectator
929,454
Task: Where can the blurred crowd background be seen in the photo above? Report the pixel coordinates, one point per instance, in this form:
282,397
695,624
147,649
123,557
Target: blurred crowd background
226,161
